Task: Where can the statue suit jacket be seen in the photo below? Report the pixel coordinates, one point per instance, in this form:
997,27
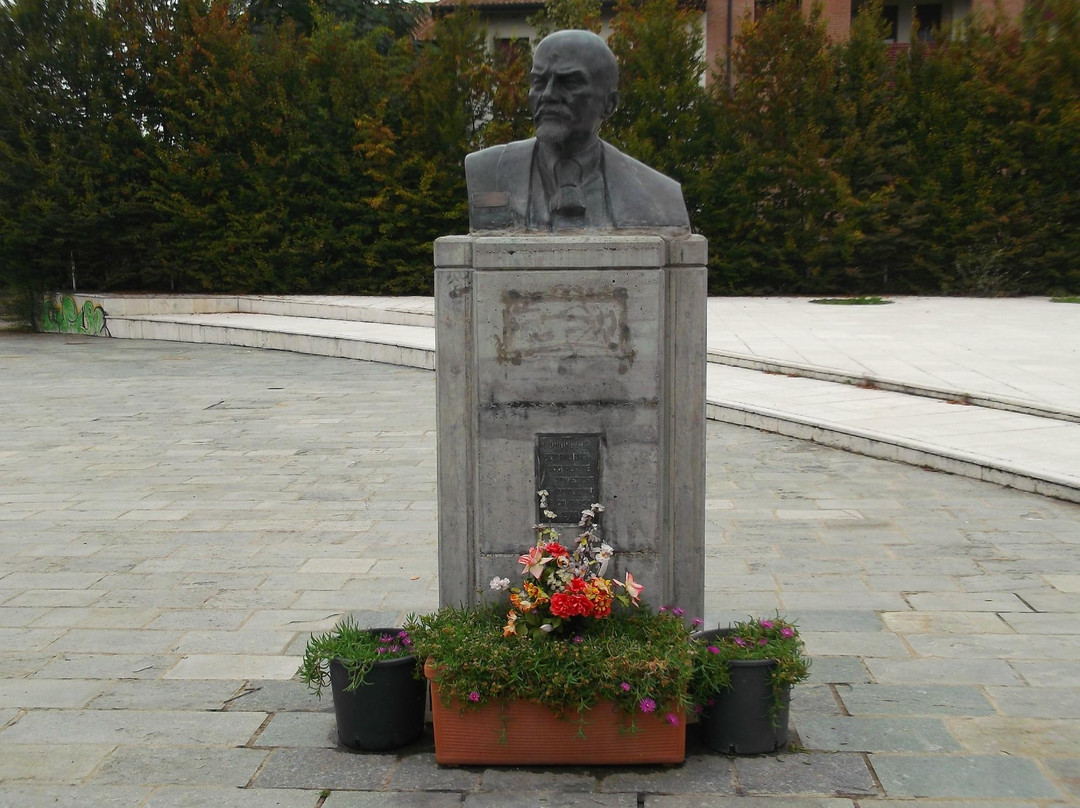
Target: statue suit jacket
498,180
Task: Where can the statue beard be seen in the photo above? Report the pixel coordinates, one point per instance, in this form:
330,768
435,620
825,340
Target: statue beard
552,131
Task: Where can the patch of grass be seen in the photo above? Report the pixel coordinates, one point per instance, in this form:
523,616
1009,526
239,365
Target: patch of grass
1066,299
851,301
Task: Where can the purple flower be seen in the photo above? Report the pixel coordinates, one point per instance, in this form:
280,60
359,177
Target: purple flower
697,621
625,686
672,719
678,612
739,641
474,696
662,609
380,650
767,624
762,641
787,631
647,705
712,649
579,638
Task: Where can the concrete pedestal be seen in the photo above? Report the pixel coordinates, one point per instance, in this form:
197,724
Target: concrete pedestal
574,364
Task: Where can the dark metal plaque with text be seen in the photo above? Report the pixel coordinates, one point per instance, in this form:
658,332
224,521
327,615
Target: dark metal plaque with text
568,468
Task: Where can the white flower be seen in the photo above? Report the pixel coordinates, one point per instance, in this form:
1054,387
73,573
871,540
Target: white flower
550,515
547,628
499,584
603,555
597,507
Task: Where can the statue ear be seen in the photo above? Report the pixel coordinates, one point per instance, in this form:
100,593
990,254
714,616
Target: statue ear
611,104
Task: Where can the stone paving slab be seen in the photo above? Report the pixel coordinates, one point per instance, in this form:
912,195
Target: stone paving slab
713,801
196,797
19,796
129,765
971,777
838,774
319,769
156,727
923,570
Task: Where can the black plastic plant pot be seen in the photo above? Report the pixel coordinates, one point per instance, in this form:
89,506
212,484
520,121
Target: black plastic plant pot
385,712
740,720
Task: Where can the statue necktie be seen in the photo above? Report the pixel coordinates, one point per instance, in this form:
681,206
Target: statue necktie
569,199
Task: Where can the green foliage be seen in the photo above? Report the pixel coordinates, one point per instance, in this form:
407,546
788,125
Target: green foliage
280,146
851,301
772,184
358,649
664,117
630,657
559,15
755,639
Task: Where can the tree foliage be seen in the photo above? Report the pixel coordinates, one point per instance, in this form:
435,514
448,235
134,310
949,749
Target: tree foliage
317,146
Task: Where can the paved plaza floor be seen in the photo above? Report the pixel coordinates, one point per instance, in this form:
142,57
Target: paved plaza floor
176,519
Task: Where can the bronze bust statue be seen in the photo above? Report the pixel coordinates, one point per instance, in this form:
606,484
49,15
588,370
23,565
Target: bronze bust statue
566,177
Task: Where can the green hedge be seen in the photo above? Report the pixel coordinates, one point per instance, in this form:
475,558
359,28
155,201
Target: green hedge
199,146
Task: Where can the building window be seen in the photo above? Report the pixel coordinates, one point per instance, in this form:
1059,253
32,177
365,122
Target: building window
763,7
929,19
509,49
891,15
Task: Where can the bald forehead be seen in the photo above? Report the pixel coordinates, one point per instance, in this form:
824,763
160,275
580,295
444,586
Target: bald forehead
565,50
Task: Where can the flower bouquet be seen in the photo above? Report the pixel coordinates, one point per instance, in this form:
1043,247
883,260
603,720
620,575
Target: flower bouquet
576,671
562,583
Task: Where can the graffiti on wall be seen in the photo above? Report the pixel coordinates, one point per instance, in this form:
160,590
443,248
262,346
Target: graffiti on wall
65,317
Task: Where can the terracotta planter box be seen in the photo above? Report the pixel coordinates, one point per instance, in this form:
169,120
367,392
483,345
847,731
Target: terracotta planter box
523,733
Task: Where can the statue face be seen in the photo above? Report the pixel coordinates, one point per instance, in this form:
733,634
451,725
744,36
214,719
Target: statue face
572,89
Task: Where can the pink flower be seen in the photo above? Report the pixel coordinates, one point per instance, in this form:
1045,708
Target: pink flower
474,696
633,589
787,631
740,642
579,639
712,649
647,705
678,612
762,641
697,621
533,562
625,686
767,624
672,719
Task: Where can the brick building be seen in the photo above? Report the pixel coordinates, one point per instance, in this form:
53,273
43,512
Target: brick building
506,20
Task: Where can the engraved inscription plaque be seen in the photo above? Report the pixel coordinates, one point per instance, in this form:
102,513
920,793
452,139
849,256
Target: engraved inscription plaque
568,468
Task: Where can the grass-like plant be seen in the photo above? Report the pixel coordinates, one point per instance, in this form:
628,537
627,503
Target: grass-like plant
358,649
638,659
755,639
851,301
1066,299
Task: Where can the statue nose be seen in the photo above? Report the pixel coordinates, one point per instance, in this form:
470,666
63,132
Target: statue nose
549,88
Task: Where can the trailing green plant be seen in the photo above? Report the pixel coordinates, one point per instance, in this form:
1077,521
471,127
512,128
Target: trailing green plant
358,649
638,659
755,639
851,301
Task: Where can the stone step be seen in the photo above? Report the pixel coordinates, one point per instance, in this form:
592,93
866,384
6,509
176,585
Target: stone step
1024,448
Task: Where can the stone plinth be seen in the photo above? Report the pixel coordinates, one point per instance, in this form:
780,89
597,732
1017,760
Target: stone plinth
574,364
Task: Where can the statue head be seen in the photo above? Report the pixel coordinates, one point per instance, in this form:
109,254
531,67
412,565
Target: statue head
573,88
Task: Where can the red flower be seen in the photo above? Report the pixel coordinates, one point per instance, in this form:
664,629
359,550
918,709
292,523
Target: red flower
564,605
578,585
555,549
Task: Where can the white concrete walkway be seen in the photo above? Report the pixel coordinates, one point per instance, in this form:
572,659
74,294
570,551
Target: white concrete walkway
984,388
